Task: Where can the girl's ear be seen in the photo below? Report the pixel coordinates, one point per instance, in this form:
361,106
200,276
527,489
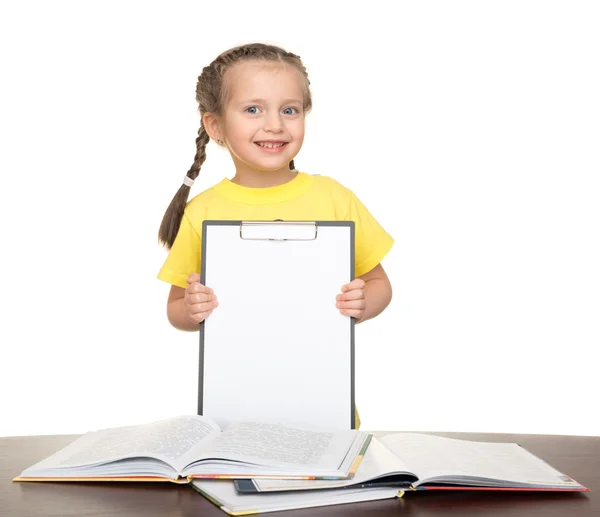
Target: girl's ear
212,126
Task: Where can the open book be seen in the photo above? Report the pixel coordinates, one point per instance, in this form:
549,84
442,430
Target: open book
427,462
223,494
182,448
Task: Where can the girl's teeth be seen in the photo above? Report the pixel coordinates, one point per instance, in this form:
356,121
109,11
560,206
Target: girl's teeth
270,146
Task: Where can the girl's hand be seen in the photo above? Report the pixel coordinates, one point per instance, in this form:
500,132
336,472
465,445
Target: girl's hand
199,300
352,300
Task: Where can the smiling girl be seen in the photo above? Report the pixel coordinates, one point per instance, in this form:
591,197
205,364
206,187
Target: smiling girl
253,100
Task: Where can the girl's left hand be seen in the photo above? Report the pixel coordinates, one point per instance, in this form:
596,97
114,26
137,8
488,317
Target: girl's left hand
352,300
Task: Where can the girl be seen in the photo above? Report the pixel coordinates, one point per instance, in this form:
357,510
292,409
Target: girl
253,100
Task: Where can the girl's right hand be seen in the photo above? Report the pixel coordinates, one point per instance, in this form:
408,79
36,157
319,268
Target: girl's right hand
199,301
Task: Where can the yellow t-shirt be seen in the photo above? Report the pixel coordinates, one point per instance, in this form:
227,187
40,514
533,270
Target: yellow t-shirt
305,197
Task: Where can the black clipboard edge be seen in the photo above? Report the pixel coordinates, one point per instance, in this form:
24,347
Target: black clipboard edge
238,222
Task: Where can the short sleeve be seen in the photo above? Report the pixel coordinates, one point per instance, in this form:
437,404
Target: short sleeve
372,241
184,256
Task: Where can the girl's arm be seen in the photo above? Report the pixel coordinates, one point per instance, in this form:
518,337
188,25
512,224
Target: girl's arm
377,292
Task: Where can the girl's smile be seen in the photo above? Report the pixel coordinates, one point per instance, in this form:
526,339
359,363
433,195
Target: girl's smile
271,146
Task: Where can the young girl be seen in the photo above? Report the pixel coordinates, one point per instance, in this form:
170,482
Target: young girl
253,100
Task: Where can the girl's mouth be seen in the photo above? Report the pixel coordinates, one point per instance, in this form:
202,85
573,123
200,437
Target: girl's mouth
271,147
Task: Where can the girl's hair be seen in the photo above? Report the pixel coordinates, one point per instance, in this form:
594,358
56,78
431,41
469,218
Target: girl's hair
212,94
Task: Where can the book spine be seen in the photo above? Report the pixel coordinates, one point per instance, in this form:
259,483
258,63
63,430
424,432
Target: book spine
360,456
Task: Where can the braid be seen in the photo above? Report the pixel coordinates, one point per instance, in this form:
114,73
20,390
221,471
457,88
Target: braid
172,218
201,141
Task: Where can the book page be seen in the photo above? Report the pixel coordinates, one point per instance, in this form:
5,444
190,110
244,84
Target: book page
434,456
165,440
277,445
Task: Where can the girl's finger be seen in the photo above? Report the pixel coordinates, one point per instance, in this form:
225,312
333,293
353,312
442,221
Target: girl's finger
197,308
201,297
357,283
198,288
194,277
200,316
353,313
351,304
355,294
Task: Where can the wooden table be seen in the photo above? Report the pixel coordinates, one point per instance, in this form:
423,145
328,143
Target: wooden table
579,457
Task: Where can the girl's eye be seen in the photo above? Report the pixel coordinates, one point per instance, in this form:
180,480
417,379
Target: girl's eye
252,108
286,109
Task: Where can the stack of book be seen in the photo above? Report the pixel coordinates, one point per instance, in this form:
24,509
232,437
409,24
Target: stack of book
257,467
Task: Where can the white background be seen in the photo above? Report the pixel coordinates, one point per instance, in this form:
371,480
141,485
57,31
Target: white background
470,130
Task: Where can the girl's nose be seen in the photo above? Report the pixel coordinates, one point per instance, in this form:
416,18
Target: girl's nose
273,122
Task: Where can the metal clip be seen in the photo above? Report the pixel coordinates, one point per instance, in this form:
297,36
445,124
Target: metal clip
276,230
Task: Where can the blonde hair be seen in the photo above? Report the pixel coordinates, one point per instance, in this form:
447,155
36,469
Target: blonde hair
211,94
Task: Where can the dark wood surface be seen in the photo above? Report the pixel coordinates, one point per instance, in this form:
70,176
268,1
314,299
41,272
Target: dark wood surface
578,457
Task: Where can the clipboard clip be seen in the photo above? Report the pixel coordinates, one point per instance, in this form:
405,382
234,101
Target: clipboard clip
278,230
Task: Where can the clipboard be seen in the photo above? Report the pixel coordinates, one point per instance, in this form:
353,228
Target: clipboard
277,348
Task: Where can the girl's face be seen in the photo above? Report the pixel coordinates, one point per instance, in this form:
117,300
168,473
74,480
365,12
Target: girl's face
263,123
